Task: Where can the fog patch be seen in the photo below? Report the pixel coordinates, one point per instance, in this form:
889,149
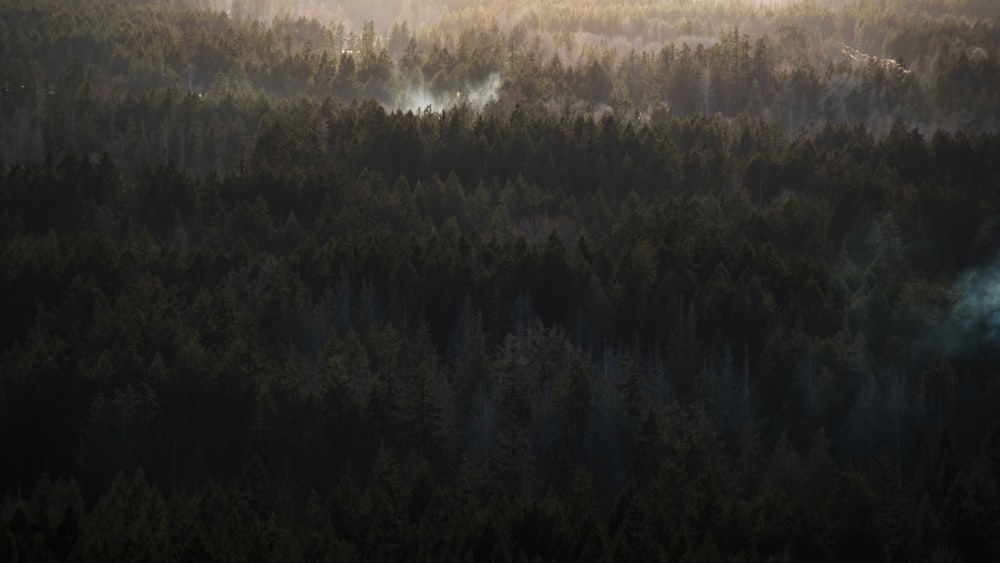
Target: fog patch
973,321
695,40
476,95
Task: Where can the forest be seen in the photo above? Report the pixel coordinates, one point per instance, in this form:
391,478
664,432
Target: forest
445,280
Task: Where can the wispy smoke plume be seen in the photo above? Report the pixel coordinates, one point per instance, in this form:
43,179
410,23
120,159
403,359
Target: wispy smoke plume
974,319
476,95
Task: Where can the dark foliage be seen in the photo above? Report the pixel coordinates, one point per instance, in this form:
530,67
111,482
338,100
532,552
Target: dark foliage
273,314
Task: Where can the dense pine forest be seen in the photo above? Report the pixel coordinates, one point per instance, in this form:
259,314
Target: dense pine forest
523,281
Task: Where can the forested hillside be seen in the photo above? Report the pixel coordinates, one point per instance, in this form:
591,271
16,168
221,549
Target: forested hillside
579,281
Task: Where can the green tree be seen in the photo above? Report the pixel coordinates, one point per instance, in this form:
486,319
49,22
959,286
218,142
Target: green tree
853,518
575,400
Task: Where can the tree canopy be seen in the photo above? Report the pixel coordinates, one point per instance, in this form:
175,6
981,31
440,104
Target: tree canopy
601,281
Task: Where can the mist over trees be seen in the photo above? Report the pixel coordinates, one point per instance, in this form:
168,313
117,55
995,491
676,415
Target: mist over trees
159,78
557,281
